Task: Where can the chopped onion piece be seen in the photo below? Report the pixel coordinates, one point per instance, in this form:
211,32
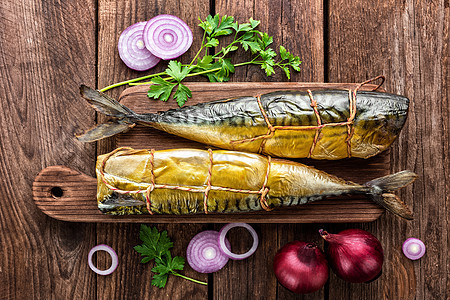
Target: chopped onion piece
203,253
111,252
167,36
132,49
226,249
413,248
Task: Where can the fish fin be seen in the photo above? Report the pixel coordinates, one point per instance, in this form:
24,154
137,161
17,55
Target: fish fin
105,104
381,188
394,181
393,204
104,130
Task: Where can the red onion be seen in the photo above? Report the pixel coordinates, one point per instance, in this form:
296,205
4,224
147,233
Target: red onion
111,252
132,49
301,267
226,249
413,248
203,253
167,36
355,255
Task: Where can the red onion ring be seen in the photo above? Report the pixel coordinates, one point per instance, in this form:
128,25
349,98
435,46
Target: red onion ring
132,49
225,248
203,253
413,248
111,252
167,36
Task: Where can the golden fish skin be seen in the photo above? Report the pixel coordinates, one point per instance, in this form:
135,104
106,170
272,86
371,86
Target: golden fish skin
175,182
323,124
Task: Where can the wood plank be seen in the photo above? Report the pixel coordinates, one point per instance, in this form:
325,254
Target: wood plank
297,25
47,48
133,280
407,42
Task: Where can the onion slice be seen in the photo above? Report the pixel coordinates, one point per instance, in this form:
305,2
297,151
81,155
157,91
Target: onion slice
226,249
203,253
413,248
132,49
111,252
167,36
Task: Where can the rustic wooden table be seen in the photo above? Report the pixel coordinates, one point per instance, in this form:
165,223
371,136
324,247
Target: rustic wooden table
48,48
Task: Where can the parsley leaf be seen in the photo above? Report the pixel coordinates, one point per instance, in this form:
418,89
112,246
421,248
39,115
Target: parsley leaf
283,53
182,94
254,23
295,63
267,66
222,75
265,40
177,263
211,42
205,62
159,280
208,25
176,71
160,89
287,72
156,246
224,27
253,45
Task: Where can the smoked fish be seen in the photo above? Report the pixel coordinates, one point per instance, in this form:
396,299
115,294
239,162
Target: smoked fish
191,181
321,124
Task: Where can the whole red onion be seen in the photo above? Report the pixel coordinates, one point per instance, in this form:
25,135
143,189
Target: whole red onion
301,267
355,255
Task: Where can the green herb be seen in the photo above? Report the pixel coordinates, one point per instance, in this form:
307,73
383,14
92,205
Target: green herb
218,67
156,247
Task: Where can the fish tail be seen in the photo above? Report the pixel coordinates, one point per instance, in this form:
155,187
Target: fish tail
123,118
380,191
105,104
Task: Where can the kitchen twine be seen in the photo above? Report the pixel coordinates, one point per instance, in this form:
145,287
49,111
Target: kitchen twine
270,133
349,123
152,186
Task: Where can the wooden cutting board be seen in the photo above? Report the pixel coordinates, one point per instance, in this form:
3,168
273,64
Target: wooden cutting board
69,195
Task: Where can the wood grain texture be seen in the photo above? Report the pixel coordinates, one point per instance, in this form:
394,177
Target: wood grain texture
298,25
132,280
114,17
46,49
407,42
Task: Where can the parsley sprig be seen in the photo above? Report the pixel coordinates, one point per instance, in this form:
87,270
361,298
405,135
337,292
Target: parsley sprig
218,67
156,247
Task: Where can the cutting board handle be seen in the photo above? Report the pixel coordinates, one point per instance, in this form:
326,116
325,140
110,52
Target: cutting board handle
59,188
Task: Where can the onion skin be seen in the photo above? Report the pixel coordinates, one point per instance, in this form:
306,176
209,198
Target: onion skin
355,255
301,267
